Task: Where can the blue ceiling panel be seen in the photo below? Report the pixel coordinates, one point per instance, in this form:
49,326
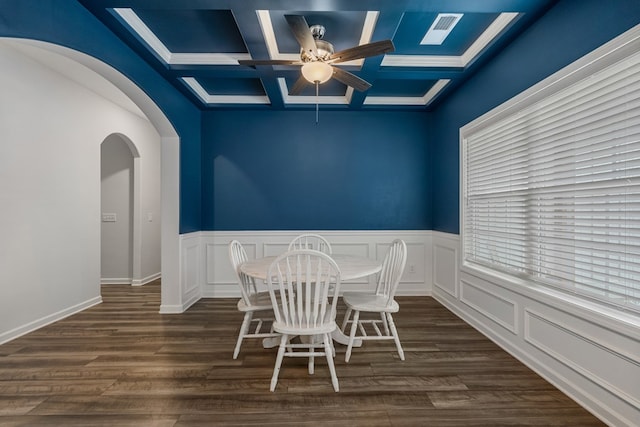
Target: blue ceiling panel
230,86
414,25
208,48
343,29
194,31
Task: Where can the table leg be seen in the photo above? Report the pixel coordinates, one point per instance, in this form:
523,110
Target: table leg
343,339
271,342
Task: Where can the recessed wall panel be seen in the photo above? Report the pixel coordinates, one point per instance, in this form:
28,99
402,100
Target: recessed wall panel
445,269
615,368
490,303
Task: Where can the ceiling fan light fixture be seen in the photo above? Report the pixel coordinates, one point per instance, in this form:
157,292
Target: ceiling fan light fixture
317,71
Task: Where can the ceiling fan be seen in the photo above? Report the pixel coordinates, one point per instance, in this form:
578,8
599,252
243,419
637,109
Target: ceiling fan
317,57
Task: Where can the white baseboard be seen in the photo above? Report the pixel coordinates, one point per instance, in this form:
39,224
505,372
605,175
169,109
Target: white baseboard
115,281
172,309
129,280
145,280
44,321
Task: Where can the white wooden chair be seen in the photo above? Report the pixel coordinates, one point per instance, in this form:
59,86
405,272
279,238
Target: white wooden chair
251,301
381,301
303,285
311,241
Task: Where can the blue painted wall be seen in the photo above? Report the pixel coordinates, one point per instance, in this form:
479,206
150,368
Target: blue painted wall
281,171
370,170
68,24
568,31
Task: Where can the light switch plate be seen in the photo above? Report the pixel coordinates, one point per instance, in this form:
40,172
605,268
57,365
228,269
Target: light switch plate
109,217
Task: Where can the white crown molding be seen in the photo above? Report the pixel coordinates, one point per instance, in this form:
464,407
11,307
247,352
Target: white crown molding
422,61
435,90
409,100
140,28
207,98
496,27
324,100
270,36
207,58
394,100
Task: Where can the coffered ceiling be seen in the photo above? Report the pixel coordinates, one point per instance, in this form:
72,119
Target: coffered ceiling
196,46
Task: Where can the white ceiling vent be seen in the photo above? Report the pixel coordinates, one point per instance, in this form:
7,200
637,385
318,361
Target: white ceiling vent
441,28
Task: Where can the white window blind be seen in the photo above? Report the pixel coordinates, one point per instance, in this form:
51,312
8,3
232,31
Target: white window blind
551,190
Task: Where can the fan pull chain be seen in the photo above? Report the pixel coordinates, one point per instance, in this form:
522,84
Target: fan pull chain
317,99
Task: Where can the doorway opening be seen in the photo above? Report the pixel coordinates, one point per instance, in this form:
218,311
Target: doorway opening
118,200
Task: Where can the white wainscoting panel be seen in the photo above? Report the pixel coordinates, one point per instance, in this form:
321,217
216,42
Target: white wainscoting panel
360,249
218,280
217,269
191,260
488,301
585,351
592,356
274,249
445,263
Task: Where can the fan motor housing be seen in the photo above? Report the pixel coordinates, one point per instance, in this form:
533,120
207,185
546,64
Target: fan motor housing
324,48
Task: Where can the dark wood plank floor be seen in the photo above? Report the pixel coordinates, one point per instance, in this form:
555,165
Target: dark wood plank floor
123,364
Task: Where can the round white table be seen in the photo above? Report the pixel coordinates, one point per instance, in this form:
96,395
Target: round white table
351,267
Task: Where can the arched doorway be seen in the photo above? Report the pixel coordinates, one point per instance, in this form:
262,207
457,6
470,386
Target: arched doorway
120,234
102,76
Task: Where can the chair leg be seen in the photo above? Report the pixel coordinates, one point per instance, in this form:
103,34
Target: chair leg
333,347
345,320
332,368
396,338
276,370
384,323
246,322
352,335
311,358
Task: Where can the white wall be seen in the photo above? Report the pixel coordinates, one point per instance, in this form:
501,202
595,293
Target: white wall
51,130
150,219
